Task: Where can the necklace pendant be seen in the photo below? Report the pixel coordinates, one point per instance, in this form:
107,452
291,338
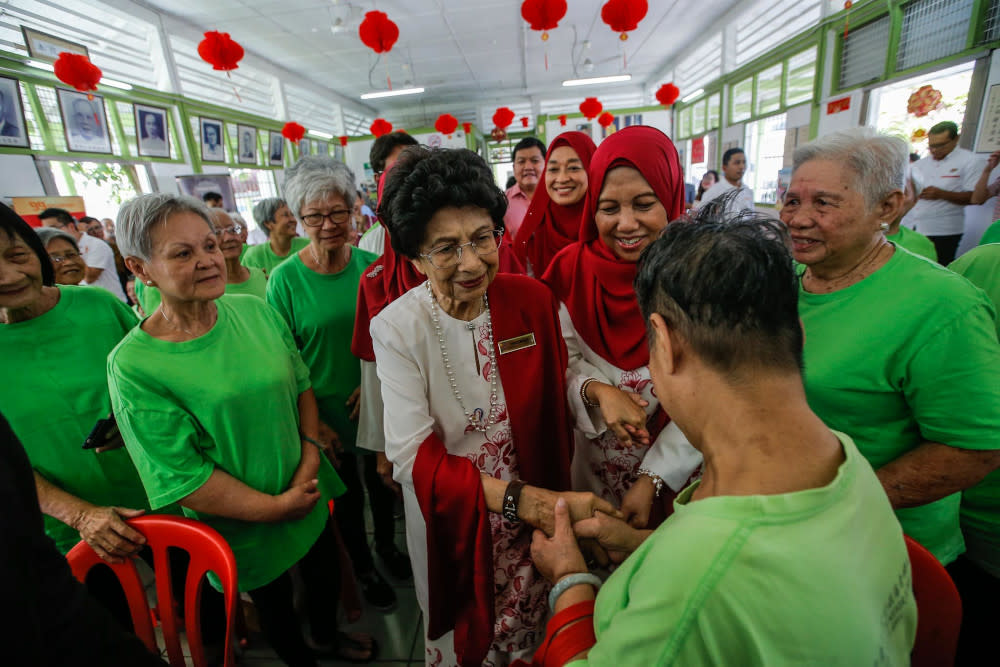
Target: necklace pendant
470,325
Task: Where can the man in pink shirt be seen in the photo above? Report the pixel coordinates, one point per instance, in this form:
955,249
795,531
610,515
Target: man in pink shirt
529,161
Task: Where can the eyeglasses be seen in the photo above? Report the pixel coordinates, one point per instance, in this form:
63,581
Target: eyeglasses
941,145
338,217
447,256
232,229
65,257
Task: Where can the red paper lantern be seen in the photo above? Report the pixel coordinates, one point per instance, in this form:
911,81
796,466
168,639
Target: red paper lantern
624,15
591,108
524,121
446,123
378,32
343,140
562,120
467,128
543,15
667,94
77,71
503,117
220,51
293,132
498,134
606,118
380,126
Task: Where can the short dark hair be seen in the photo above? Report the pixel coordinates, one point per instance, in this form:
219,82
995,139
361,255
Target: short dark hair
385,145
15,227
61,215
726,284
945,126
527,142
425,180
730,153
211,196
88,220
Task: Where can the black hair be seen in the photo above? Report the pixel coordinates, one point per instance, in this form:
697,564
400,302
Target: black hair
730,153
211,196
60,214
914,157
725,283
945,126
701,188
88,220
527,142
385,145
15,227
511,182
425,180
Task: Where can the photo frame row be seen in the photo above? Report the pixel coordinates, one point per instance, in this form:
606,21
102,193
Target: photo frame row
211,135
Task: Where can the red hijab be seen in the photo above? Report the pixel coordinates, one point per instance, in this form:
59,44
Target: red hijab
549,227
587,277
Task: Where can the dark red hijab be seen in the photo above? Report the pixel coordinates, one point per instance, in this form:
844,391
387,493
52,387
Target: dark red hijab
587,277
549,227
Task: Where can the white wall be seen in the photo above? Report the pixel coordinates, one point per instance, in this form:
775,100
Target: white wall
20,177
356,152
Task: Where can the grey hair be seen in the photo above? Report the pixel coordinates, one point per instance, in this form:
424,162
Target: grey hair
878,161
316,177
133,229
47,234
265,210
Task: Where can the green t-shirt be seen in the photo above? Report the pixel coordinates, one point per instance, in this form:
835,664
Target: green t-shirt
320,312
263,257
256,285
981,504
991,235
907,355
815,577
188,408
55,389
915,242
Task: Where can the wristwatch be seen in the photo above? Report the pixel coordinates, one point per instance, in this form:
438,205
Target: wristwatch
511,496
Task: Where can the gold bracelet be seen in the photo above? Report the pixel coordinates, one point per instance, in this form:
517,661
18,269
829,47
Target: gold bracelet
583,394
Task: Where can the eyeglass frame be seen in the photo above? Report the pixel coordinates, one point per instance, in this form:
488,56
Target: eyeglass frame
323,217
59,259
429,256
235,229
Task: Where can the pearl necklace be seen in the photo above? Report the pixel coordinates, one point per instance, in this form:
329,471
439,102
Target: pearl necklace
491,418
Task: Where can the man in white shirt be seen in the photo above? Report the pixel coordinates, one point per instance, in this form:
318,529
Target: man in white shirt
947,177
97,254
734,165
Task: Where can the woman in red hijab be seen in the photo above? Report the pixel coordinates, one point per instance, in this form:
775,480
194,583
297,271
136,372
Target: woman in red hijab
626,449
553,218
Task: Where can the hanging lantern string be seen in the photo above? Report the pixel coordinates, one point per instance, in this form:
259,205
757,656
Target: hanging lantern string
233,84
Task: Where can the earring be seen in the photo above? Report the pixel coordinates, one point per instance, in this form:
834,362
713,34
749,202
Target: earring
150,282
884,226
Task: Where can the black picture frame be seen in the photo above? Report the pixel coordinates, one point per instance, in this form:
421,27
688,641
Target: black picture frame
13,126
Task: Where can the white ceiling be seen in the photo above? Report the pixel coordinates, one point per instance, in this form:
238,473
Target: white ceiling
470,55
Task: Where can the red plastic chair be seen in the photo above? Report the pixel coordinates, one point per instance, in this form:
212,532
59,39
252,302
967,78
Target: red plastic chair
939,609
208,551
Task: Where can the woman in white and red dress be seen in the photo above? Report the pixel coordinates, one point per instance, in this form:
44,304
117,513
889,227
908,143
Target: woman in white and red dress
472,367
627,451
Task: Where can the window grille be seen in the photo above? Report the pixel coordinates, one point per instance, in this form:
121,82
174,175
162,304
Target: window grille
932,29
862,58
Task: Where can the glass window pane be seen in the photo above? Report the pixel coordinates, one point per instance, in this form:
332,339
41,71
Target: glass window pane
684,129
742,96
769,89
800,75
714,111
698,117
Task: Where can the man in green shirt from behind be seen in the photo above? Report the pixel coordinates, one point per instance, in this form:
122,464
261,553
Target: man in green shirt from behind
786,551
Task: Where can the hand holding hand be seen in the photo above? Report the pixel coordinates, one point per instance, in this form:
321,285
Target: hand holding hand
612,533
557,556
105,530
623,413
582,505
638,502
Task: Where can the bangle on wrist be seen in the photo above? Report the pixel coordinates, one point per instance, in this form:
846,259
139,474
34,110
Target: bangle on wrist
511,499
570,580
315,442
657,481
583,393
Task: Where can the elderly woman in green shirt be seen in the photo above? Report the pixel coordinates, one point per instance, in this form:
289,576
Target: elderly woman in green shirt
276,219
237,445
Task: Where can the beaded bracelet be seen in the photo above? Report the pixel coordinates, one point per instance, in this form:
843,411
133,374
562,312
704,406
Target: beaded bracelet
657,480
312,441
571,580
583,393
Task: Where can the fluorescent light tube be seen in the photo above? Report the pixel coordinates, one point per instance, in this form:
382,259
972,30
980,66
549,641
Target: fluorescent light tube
391,93
617,78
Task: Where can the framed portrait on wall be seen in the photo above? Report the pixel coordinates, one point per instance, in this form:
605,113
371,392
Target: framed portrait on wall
275,149
246,140
305,147
323,148
45,47
212,148
13,131
151,131
85,122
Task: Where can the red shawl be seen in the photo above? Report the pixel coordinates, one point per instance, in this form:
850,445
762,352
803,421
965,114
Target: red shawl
588,278
448,487
549,227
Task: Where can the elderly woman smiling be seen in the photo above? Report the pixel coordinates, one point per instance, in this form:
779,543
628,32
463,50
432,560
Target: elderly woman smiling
236,445
472,366
276,219
65,255
900,354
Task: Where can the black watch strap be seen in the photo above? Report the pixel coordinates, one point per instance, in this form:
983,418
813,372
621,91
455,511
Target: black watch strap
511,497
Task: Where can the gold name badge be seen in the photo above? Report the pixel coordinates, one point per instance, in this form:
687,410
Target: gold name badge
519,343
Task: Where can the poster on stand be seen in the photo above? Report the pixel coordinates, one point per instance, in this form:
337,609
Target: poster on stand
196,185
